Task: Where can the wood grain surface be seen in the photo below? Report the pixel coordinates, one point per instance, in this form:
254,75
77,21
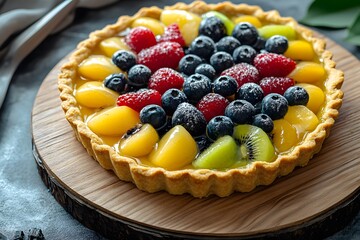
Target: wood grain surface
304,197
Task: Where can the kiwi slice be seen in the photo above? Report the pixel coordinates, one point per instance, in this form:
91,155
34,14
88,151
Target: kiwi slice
254,144
219,155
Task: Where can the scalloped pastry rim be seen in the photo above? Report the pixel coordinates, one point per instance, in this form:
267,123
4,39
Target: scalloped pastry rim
202,182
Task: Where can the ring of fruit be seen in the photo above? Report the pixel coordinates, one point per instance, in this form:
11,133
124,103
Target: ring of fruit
201,98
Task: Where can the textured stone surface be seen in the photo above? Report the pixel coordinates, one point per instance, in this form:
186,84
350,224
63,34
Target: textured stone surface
25,202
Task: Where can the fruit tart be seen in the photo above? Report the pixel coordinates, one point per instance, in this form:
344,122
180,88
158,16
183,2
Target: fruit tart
201,98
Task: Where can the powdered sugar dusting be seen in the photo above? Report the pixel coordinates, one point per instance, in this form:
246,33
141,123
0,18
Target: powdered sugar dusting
190,118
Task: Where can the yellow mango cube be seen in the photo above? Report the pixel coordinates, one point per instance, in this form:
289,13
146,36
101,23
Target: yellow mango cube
140,143
308,72
284,135
94,94
154,25
316,96
188,23
110,45
302,118
176,149
300,50
248,18
113,121
97,67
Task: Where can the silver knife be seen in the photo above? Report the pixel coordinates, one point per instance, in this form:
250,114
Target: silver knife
29,39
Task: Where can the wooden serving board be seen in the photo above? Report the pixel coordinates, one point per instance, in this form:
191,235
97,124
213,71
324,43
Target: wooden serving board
313,201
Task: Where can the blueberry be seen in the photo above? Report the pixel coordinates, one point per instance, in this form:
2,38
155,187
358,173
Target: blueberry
196,86
139,75
227,44
221,61
244,53
296,95
116,82
277,44
257,107
250,92
171,99
212,27
124,59
202,142
246,33
203,47
219,126
259,44
274,105
207,70
240,112
225,86
190,118
154,115
264,122
188,64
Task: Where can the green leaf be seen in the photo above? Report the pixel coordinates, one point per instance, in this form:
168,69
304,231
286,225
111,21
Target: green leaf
332,13
354,32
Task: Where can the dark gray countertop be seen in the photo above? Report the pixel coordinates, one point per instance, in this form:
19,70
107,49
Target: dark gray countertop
25,202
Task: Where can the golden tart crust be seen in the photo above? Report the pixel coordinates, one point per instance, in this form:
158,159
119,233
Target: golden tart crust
202,182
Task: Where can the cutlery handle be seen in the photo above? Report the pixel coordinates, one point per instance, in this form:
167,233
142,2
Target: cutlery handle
28,40
36,33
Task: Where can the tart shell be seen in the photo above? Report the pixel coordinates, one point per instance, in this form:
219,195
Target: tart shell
202,182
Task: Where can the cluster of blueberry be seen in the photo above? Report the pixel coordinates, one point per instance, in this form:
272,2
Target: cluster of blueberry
216,67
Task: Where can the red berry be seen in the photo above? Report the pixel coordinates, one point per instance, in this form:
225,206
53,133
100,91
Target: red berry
212,105
172,34
165,54
138,100
243,73
275,84
164,79
140,38
274,65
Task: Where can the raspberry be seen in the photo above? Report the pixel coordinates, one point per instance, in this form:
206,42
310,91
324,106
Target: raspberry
172,34
276,84
165,54
243,73
212,105
140,38
164,79
273,65
141,98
